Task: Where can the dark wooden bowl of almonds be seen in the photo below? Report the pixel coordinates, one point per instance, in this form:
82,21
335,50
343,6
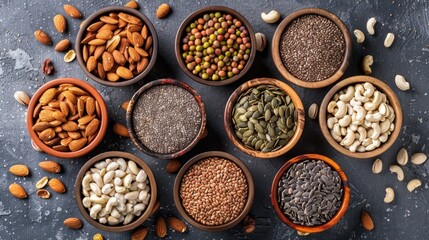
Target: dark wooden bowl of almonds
264,118
166,118
67,118
311,48
214,191
117,46
310,193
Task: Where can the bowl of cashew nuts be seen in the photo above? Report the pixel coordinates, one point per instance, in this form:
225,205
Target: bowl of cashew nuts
361,117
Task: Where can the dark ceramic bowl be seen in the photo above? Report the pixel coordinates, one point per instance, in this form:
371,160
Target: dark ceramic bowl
79,196
93,18
130,112
344,202
181,33
178,182
92,92
254,83
275,50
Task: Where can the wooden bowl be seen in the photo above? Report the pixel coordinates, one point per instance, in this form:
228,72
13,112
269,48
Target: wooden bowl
181,32
92,92
93,18
178,201
344,203
275,50
79,196
254,83
393,101
167,81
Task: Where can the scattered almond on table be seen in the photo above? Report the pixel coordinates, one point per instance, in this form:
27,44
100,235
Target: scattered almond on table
73,223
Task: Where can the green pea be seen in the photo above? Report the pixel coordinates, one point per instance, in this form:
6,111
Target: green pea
198,68
221,31
193,25
215,77
206,17
228,54
199,48
212,37
210,50
184,55
238,32
212,15
206,45
206,65
188,29
192,38
230,74
192,48
218,14
205,76
247,51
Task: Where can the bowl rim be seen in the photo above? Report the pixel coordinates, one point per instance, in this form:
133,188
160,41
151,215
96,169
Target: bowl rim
185,168
189,19
344,202
393,101
275,49
130,113
92,92
299,107
91,19
128,156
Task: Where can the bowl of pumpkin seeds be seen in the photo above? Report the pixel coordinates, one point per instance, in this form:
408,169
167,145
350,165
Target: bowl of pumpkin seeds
264,118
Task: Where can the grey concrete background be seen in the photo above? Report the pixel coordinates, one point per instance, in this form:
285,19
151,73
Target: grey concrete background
21,57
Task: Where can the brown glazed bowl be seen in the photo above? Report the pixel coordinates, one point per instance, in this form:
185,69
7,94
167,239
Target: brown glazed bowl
79,196
254,83
167,81
93,18
92,92
181,32
178,181
335,218
393,101
275,50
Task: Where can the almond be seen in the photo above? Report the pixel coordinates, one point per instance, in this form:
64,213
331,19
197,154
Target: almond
176,224
70,56
94,27
145,32
52,142
119,58
366,221
47,134
66,141
72,11
160,227
77,144
99,50
80,106
42,37
139,233
173,166
113,43
120,130
85,53
124,73
100,71
73,223
43,193
105,35
61,148
40,126
113,77
62,45
134,55
90,106
142,52
148,44
134,28
50,166
108,61
163,10
19,170
60,116
42,183
91,64
60,23
132,4
77,91
97,42
22,98
47,96
107,26
92,127
17,191
70,126
129,18
108,20
125,104
56,185
142,65
46,116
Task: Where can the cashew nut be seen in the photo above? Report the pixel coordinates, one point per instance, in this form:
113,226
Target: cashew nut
401,83
122,164
348,95
359,90
371,106
390,195
383,137
128,218
367,62
100,165
360,36
370,25
349,138
354,102
367,142
354,146
362,133
370,147
112,220
389,40
345,121
413,184
398,171
271,17
402,157
418,158
108,177
375,117
342,109
376,132
331,121
331,106
94,211
360,113
85,182
336,137
369,89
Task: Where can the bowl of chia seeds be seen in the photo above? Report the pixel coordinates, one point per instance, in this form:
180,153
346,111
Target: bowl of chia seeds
311,48
215,45
264,118
166,118
310,193
214,191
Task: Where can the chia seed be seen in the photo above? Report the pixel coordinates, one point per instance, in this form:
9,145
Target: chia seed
312,48
166,118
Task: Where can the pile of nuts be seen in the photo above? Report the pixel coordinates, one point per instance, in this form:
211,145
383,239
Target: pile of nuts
216,46
118,46
360,117
67,118
214,191
116,191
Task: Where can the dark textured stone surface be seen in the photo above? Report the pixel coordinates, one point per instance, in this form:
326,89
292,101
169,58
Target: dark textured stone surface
21,57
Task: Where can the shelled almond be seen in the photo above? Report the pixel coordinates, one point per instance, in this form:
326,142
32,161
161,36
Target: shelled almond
118,46
67,118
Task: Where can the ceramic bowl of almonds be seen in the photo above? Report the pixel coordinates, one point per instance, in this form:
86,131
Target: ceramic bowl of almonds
67,118
214,191
310,193
361,117
117,46
115,191
264,118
